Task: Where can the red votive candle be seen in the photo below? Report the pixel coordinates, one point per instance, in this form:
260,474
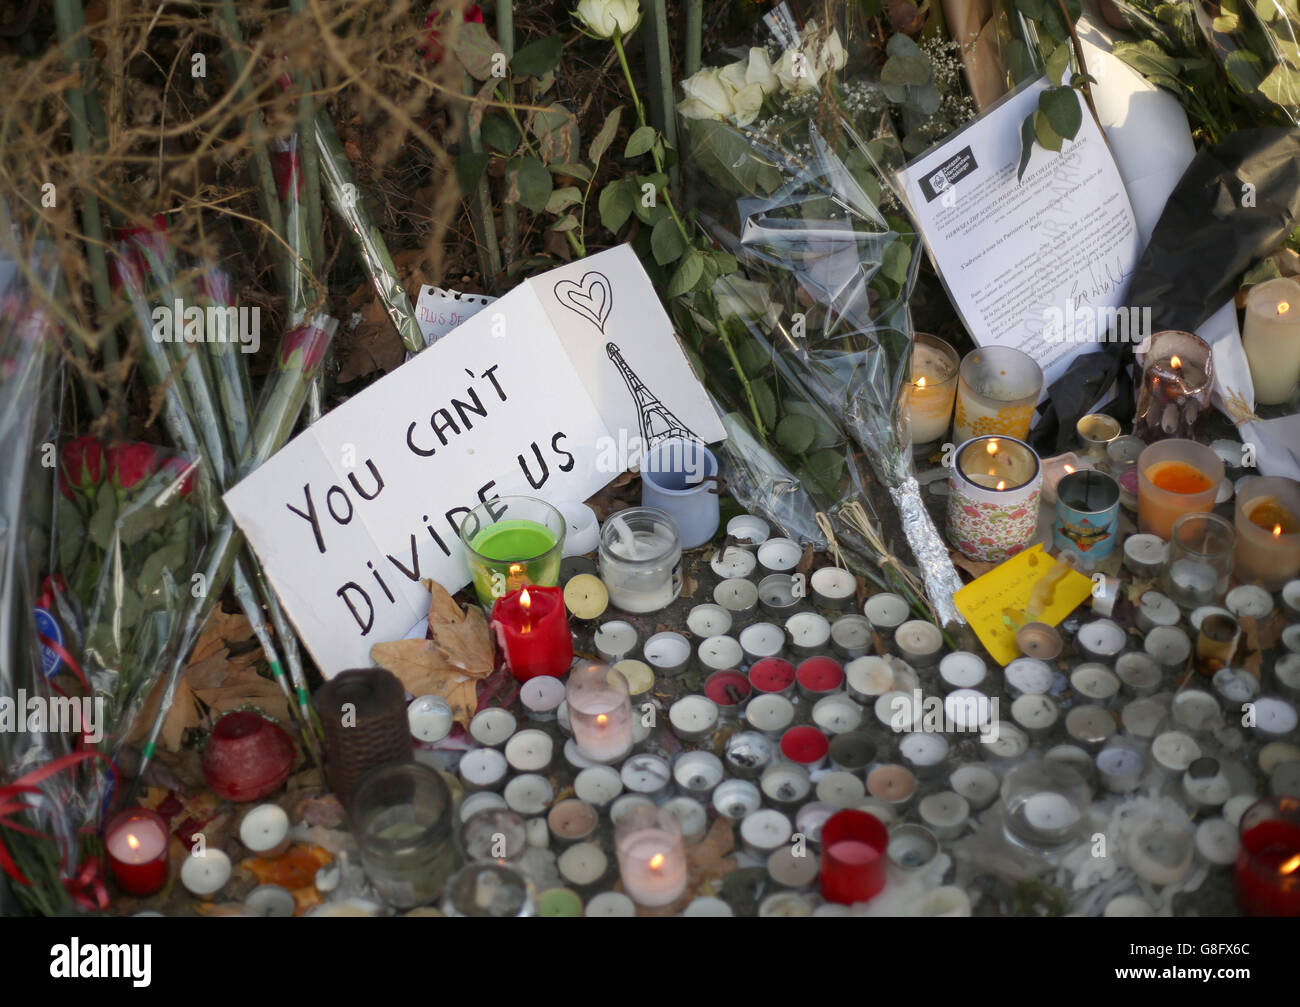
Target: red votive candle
727,688
1268,858
819,676
772,674
853,857
136,844
532,629
805,745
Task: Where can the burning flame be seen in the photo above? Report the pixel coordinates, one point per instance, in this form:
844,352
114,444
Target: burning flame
1002,484
1277,530
1283,307
526,603
602,719
524,600
657,861
991,447
1291,866
1069,469
131,841
920,382
1175,362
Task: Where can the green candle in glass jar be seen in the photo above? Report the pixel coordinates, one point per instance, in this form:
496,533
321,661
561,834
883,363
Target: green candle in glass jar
512,542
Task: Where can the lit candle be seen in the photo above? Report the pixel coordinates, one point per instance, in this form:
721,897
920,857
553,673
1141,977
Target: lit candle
1057,468
1268,861
1175,477
997,391
993,499
1177,375
600,712
1268,528
651,857
933,388
1272,339
532,629
511,542
136,844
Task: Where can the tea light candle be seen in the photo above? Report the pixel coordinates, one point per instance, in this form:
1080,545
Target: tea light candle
265,830
993,498
1105,594
773,675
1095,682
897,710
430,718
785,784
492,726
1205,785
1028,676
1175,477
598,785
852,752
270,901
691,817
771,713
615,640
1291,597
667,653
739,597
892,784
734,799
923,751
808,632
1120,768
1249,601
747,754
645,774
733,561
697,773
529,794
1286,672
541,697
1174,751
1160,854
205,873
718,653
572,820
1128,907
944,813
868,678
805,746
833,588
1235,686
1009,744
136,844
729,689
1216,842
851,635
1195,709
819,676
652,858
763,831
1271,339
779,555
886,612
1036,714
1274,717
919,642
978,784
912,848
709,620
1089,726
1169,646
1096,431
962,670
582,864
1139,673
582,531
794,872
837,715
762,641
482,800
932,389
748,530
1145,555
1155,609
1101,639
693,718
1143,718
529,751
1037,639
776,594
968,710
841,790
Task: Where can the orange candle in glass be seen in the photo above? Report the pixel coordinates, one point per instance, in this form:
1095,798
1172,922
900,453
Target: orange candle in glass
1175,477
1268,531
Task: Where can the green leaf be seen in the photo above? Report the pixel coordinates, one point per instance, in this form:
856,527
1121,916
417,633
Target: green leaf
566,223
469,169
1282,85
1265,269
828,466
499,133
906,64
104,520
162,569
616,202
1020,61
72,533
1026,144
1147,58
1244,69
606,135
666,240
826,435
796,433
536,58
1058,62
1032,8
687,274
579,171
527,183
753,357
640,141
765,401
1063,110
557,134
476,50
1047,137
896,262
561,199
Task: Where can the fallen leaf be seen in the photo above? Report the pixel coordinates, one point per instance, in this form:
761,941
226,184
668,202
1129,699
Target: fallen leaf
418,664
293,869
972,567
462,697
442,606
467,645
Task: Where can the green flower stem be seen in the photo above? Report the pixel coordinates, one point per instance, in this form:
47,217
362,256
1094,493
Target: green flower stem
509,212
744,382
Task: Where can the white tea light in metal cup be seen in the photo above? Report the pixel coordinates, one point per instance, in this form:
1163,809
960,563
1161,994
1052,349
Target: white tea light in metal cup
833,588
1275,718
1095,681
1028,676
668,653
541,696
1249,601
697,773
785,785
430,718
482,800
748,753
1139,673
1036,714
691,815
851,635
771,713
1096,431
1155,609
867,678
1105,595
615,640
1291,597
797,872
1169,646
1102,639
923,752
483,769
641,559
1145,555
764,831
886,612
733,561
809,633
693,718
492,726
920,642
1074,757
995,486
749,530
734,799
975,782
528,794
1120,765
762,641
582,530
852,753
708,620
582,865
600,711
646,774
1286,672
1205,786
843,790
719,653
1144,718
1087,515
1196,710
739,597
530,751
944,813
779,555
836,714
680,477
776,595
1090,726
598,785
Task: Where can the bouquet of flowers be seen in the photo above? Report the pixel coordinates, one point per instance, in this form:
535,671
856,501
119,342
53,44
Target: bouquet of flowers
808,342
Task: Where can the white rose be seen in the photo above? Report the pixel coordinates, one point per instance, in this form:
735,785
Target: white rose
797,71
746,104
733,75
707,96
816,56
605,17
759,70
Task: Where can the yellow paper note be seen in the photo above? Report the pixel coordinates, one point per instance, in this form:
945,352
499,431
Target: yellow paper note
998,603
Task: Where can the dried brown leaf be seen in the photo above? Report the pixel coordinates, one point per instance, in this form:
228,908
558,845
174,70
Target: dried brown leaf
467,645
442,606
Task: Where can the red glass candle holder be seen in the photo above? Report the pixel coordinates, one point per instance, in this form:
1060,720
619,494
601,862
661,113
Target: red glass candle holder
248,757
136,843
853,857
1268,858
532,629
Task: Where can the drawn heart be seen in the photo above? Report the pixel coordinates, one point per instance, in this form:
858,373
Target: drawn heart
593,298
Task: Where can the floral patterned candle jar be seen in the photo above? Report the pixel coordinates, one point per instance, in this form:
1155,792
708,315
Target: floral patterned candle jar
993,505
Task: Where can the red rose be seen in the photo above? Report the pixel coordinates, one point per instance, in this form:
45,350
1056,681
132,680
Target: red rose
81,466
184,469
148,238
432,50
309,342
287,169
131,462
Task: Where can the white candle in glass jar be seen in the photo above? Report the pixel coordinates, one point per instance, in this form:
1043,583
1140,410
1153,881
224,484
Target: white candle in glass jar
932,388
652,864
1271,339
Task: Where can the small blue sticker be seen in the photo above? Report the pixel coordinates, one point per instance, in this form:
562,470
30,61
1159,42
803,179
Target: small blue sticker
48,626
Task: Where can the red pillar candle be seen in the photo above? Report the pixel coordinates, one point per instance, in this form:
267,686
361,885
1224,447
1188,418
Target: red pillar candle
853,857
1268,859
136,844
532,629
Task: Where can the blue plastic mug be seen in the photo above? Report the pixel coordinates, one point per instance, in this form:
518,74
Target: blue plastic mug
680,476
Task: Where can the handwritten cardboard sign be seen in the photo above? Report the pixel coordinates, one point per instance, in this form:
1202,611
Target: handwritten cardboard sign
542,393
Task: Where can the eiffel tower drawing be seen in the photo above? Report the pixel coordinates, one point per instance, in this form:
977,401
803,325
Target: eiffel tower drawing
657,421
